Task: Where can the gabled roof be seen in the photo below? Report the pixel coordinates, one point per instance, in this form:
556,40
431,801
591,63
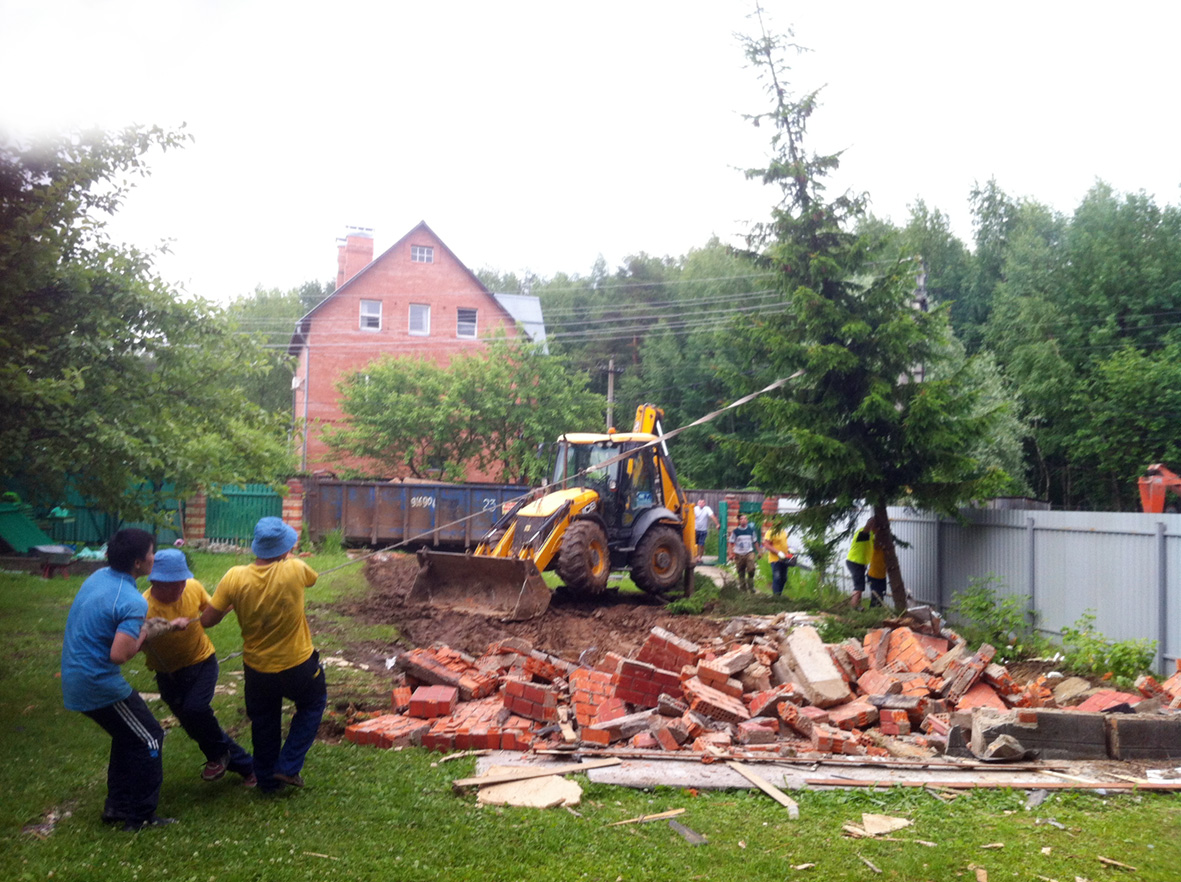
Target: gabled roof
299,337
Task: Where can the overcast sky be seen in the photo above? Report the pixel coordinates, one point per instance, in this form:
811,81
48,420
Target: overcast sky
536,136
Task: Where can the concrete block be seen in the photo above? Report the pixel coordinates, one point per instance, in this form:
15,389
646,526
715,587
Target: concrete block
1144,736
952,655
620,728
820,679
1056,734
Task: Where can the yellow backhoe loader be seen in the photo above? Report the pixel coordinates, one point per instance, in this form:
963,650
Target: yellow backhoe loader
614,504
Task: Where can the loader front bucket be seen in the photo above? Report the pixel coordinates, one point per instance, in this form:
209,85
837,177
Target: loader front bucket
500,587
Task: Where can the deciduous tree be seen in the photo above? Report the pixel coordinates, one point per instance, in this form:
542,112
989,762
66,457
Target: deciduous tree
107,379
489,410
268,315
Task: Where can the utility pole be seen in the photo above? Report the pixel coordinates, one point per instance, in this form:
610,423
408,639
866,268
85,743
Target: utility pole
611,372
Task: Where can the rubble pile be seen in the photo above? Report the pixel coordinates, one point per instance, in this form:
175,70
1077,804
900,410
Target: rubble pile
771,687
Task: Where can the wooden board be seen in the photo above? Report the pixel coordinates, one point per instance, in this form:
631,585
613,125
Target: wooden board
793,808
532,772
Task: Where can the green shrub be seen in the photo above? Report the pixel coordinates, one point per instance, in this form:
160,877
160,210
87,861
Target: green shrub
1004,622
1088,651
332,542
705,592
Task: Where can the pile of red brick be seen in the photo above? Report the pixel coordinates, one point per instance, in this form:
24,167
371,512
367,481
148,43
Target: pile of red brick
897,692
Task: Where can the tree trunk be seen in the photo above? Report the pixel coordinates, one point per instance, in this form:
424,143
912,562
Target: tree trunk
884,536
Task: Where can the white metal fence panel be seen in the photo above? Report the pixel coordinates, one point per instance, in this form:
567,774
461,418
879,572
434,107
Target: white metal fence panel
1125,567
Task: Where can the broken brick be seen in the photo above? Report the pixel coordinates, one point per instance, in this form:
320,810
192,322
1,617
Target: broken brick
759,730
905,653
666,651
1106,700
877,682
853,715
713,703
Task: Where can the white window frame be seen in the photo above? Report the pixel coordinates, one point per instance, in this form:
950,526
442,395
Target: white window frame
460,324
422,253
368,313
426,320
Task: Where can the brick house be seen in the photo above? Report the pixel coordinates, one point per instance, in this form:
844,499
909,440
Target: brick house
417,298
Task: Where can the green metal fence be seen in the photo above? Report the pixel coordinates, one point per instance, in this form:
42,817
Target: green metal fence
232,519
75,520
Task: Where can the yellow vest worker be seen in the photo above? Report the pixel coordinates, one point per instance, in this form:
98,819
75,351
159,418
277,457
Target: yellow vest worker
876,574
858,561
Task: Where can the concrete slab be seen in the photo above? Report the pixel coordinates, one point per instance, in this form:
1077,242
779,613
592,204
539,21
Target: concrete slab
531,793
819,678
644,773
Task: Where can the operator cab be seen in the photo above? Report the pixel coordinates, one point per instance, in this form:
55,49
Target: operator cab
625,487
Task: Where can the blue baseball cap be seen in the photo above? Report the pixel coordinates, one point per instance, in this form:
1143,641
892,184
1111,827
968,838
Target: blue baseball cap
170,566
272,538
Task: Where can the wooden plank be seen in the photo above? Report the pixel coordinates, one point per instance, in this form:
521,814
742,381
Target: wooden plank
568,734
1072,778
1162,786
642,819
793,808
893,763
532,772
1129,778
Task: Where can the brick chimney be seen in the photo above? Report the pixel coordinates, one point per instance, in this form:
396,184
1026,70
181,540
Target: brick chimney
353,253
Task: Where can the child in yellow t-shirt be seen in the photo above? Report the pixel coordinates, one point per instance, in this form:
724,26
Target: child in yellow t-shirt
186,665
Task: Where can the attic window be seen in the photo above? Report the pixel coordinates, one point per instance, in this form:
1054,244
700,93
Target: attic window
422,254
420,319
465,323
370,315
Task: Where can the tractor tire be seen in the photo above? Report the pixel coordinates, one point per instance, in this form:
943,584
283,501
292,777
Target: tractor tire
584,562
658,564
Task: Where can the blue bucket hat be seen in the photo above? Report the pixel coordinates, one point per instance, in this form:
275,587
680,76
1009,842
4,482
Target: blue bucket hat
272,538
170,566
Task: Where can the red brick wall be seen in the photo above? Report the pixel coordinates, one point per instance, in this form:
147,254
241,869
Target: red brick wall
337,345
195,510
293,504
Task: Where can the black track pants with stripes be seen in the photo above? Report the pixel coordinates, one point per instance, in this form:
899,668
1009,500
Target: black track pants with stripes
136,768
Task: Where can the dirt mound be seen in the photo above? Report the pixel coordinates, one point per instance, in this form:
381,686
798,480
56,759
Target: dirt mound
572,628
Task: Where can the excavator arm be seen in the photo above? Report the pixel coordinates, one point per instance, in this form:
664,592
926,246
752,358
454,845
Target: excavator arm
1153,486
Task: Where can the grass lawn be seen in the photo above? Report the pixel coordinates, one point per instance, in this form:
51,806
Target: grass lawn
391,815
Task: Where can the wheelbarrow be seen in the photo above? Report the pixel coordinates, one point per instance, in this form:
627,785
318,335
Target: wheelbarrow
54,558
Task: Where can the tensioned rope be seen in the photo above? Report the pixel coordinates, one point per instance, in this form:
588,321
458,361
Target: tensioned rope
659,439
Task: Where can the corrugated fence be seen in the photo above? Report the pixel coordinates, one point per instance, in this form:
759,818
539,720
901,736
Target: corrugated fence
1126,567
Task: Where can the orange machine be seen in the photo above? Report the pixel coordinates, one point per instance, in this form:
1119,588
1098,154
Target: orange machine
1153,486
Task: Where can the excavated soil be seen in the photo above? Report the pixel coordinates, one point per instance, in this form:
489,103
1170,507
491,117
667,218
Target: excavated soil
572,628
